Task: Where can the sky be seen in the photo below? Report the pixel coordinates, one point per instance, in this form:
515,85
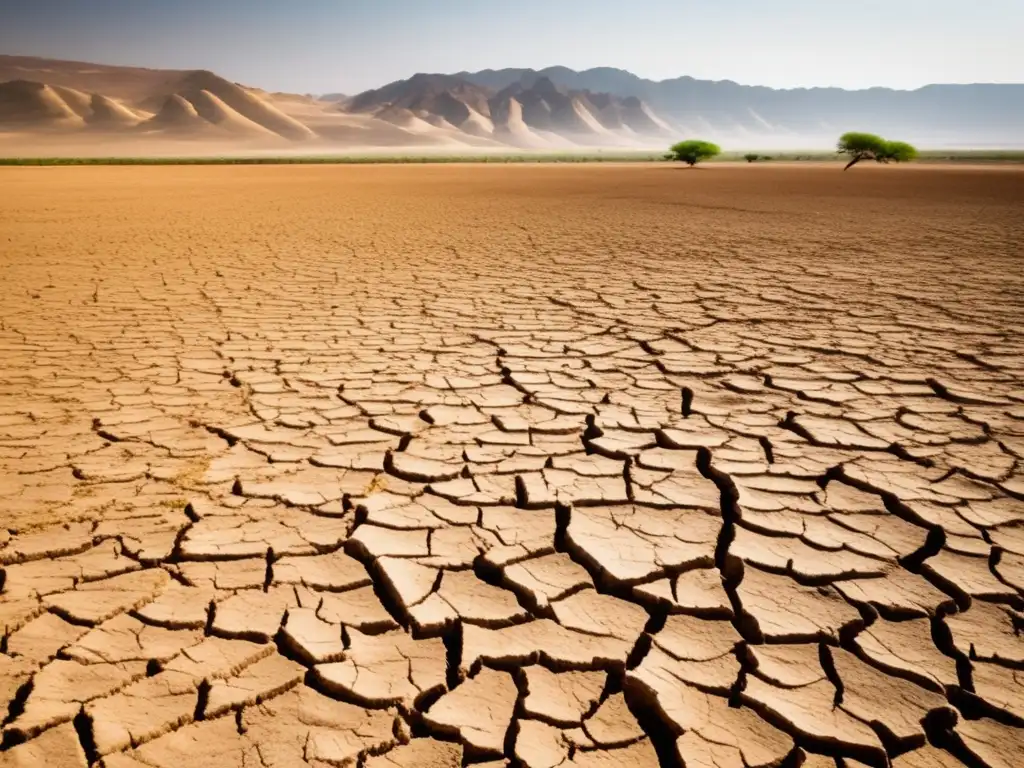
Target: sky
321,46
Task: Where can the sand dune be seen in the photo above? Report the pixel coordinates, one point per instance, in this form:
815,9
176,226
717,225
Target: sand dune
630,115
405,118
459,111
370,132
395,125
71,85
606,110
77,101
476,131
200,113
279,97
177,114
132,84
437,121
203,103
644,112
28,103
585,119
246,104
336,128
451,108
512,129
477,124
105,112
215,111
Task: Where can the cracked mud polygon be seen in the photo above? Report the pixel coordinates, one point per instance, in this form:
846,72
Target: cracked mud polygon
525,466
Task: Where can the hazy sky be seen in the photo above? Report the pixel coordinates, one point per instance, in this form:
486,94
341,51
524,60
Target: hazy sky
350,45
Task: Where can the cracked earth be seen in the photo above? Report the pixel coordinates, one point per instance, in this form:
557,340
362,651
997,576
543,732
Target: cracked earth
522,466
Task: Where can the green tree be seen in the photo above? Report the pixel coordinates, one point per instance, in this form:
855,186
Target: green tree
867,146
899,152
860,146
751,158
693,152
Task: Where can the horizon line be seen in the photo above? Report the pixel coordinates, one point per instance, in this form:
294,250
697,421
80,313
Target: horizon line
462,73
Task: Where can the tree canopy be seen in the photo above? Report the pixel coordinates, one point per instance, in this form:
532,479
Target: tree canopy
899,152
693,151
867,146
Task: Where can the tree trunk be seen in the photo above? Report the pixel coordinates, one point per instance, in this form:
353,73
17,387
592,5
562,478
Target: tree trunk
853,162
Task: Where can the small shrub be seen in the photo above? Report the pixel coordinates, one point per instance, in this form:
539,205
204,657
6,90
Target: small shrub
751,158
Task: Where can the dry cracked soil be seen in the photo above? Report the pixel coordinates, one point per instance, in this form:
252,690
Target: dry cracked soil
514,466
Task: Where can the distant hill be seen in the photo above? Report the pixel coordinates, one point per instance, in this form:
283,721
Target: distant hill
26,103
528,113
64,103
933,115
225,103
53,104
128,83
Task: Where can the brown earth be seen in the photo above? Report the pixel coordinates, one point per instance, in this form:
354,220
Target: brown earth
535,466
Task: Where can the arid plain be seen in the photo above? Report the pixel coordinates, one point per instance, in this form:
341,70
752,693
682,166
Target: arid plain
518,465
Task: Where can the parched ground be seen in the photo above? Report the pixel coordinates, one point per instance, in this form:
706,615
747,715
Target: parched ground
528,466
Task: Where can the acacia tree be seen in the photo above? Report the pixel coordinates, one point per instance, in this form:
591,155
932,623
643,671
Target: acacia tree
899,152
693,151
867,146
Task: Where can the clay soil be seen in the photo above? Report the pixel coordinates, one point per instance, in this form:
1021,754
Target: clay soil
525,466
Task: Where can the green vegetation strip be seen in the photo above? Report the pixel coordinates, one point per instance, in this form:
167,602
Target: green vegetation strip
936,156
644,157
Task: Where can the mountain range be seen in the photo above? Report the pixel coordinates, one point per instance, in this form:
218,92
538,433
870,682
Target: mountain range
60,104
941,115
537,113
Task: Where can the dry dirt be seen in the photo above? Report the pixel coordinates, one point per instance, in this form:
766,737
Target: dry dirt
530,466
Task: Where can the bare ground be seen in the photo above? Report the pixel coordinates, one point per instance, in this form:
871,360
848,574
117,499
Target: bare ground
589,466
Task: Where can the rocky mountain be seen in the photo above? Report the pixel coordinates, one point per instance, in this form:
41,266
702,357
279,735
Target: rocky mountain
935,115
524,114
